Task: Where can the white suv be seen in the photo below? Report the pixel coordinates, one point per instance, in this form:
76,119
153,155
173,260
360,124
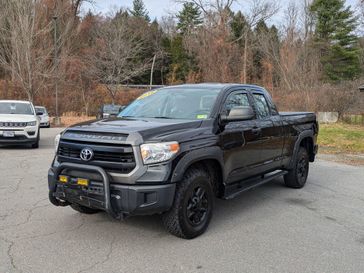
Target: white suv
43,115
19,123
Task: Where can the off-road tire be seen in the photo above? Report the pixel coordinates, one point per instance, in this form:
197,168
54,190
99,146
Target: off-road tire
195,184
83,209
297,177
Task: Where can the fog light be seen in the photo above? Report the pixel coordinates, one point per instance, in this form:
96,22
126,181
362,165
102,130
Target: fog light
63,179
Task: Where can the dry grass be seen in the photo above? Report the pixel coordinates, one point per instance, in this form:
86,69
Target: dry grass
70,120
341,138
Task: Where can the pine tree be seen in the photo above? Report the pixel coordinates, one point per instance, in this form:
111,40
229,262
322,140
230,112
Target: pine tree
261,29
139,10
238,27
189,18
334,37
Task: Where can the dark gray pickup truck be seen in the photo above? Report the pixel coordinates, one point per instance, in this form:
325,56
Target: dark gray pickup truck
173,150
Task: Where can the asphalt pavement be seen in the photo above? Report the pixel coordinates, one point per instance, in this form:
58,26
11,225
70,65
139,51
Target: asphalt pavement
269,229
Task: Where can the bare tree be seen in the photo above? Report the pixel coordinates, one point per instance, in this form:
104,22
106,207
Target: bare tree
117,57
25,50
259,10
26,41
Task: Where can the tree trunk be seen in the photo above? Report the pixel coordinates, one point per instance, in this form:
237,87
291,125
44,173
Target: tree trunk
245,58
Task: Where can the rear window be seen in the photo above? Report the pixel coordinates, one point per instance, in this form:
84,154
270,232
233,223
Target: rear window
111,108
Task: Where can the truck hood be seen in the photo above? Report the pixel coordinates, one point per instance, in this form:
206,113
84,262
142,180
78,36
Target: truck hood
16,118
149,129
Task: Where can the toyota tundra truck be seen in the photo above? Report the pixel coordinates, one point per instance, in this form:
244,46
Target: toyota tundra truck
174,150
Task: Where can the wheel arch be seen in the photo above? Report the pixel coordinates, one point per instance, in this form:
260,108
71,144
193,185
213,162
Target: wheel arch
209,159
306,140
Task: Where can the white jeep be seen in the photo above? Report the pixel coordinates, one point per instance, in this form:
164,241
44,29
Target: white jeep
19,123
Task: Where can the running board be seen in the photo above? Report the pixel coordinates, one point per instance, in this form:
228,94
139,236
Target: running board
235,189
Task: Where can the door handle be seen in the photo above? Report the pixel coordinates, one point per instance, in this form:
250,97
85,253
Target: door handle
257,131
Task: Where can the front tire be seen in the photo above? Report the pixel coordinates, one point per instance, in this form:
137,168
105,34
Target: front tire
191,211
36,144
297,177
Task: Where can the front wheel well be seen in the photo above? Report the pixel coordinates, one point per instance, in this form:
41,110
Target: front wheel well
214,170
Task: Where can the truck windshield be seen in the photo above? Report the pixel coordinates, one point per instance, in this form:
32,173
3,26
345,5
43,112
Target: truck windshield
16,108
173,103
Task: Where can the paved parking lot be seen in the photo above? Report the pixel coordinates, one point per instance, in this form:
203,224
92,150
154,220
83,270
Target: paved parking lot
269,229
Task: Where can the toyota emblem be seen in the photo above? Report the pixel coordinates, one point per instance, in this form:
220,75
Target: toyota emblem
86,154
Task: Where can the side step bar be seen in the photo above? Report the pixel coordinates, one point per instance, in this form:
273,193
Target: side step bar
235,189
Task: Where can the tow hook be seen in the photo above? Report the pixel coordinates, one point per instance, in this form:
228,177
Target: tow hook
57,202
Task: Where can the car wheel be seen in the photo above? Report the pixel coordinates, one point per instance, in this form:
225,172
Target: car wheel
36,144
191,211
83,209
297,177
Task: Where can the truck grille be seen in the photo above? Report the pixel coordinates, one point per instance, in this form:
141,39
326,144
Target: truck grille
114,158
13,124
98,155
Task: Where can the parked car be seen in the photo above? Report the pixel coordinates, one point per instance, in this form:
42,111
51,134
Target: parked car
43,115
173,150
19,123
109,111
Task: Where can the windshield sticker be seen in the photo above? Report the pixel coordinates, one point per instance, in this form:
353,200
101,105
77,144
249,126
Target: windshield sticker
147,94
201,116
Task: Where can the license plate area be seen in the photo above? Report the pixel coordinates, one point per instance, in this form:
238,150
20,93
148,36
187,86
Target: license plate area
8,134
89,196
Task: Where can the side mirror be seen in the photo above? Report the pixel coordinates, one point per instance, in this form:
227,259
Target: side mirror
39,114
239,113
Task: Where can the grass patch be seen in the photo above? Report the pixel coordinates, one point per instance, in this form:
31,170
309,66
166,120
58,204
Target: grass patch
341,138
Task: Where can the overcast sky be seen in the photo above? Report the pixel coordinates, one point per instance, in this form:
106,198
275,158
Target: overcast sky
159,8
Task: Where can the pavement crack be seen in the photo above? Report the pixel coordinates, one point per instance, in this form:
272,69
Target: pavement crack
20,180
10,255
28,217
106,258
60,231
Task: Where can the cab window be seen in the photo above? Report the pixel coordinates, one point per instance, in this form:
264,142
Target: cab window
261,105
234,100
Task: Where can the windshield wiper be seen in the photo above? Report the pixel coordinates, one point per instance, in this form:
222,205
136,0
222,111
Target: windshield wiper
163,117
127,117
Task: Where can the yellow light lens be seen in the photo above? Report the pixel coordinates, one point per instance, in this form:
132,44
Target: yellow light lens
63,179
82,182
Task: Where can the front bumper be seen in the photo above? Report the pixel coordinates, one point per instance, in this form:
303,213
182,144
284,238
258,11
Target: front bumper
24,135
116,199
44,123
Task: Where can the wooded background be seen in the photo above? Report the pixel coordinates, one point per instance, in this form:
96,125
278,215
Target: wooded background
312,60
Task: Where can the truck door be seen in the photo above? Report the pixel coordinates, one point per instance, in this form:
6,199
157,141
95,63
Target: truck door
239,141
271,137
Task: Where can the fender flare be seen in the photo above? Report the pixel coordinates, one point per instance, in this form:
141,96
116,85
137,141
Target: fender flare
214,153
301,136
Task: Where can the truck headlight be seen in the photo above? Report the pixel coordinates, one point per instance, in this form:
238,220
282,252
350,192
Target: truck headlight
56,142
158,152
32,123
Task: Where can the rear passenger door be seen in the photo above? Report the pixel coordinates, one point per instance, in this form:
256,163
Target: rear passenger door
271,135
